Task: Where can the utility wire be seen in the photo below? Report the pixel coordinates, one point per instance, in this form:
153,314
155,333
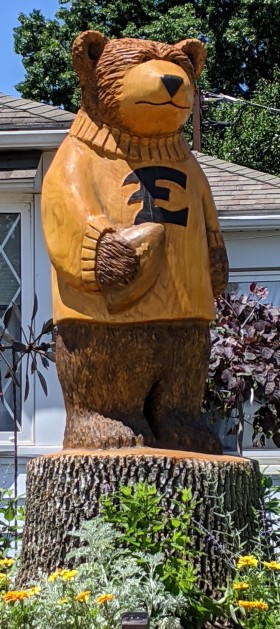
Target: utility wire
211,97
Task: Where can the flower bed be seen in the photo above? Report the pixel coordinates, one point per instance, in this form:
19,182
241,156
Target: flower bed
123,563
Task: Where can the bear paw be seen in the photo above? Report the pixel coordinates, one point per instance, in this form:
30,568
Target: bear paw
128,264
117,262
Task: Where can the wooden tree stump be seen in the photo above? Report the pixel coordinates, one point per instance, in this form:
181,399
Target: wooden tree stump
65,488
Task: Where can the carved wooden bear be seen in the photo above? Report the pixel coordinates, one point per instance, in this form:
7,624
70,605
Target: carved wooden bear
136,248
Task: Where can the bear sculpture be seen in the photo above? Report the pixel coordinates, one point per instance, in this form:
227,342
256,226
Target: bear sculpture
136,249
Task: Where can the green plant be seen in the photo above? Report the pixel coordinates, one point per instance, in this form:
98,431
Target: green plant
10,515
252,597
138,514
144,523
113,575
269,515
138,561
94,595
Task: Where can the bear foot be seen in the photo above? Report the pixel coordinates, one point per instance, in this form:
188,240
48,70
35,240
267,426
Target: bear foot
98,432
193,437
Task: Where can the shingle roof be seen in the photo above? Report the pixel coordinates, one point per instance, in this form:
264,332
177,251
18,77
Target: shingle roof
22,114
16,166
240,190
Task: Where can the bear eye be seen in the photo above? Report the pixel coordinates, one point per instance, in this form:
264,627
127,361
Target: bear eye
146,58
177,63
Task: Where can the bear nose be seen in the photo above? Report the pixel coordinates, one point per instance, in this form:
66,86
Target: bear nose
172,83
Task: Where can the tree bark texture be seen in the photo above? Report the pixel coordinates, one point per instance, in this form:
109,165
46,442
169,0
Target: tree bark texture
64,489
135,385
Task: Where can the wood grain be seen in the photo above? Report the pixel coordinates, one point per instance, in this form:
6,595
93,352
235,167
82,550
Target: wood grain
135,385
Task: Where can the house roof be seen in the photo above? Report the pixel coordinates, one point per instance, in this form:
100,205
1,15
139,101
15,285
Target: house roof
19,166
240,190
20,113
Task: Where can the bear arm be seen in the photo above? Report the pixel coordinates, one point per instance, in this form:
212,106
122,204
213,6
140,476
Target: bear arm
218,259
97,227
218,270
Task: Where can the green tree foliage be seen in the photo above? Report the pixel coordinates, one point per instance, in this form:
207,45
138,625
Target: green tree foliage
243,50
253,136
243,45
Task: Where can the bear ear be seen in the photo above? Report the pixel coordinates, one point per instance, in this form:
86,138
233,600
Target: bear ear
86,51
196,52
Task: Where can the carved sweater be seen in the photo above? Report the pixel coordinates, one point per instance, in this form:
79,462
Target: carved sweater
101,180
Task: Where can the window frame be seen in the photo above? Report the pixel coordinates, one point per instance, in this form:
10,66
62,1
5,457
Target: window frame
25,209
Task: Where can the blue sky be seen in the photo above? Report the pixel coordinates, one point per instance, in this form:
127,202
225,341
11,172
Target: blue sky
11,68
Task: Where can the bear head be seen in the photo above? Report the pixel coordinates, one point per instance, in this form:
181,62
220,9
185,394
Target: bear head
138,86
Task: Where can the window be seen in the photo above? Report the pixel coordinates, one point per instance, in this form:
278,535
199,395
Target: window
10,274
270,281
16,286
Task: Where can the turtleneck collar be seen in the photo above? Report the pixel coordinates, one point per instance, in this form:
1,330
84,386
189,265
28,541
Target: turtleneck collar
114,143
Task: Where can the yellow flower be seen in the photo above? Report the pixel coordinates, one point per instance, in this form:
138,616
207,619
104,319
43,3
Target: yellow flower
34,590
64,574
15,595
242,585
273,565
83,597
61,601
253,605
104,598
6,563
247,561
67,575
54,575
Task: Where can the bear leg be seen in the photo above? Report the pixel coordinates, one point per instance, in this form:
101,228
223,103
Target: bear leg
105,373
135,385
173,405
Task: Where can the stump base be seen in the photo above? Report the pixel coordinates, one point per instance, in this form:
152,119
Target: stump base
64,488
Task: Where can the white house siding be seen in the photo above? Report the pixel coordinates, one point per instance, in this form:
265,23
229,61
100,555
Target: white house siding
50,412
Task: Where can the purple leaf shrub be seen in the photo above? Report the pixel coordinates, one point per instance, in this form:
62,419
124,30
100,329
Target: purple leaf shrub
245,363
